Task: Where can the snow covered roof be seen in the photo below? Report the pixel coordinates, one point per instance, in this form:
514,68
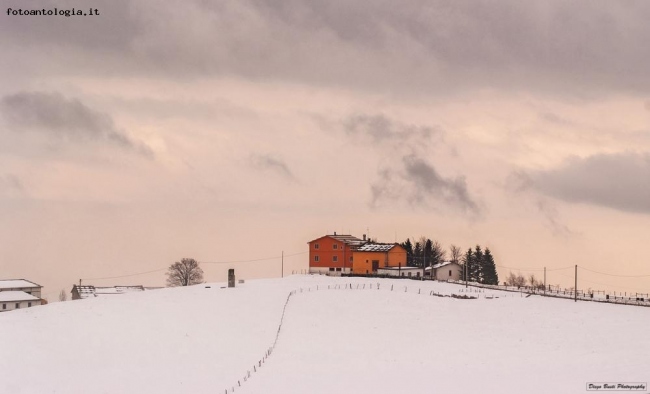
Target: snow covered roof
92,291
345,238
444,263
376,247
11,296
402,268
16,284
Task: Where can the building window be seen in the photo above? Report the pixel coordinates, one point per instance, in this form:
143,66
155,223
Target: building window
29,304
316,246
17,305
335,259
331,269
338,269
4,306
409,274
335,246
450,273
316,259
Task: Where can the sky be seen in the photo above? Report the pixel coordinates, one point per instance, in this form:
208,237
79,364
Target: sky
238,131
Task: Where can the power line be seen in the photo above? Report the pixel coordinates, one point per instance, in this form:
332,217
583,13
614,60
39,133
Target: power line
125,276
251,261
620,276
202,262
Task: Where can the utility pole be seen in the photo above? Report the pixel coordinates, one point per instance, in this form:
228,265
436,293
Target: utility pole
575,288
544,280
282,274
465,274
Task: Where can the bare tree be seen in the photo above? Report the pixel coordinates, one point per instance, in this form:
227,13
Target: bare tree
438,254
184,273
515,280
63,296
455,254
533,281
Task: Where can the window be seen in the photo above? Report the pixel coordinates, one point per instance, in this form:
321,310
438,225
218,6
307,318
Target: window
409,274
17,305
335,246
29,304
316,246
4,306
449,273
331,269
402,274
316,259
335,259
338,269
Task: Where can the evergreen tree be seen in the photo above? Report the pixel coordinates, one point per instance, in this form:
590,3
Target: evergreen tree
468,262
428,253
417,255
478,264
409,251
490,275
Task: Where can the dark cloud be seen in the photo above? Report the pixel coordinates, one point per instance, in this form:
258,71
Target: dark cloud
379,129
620,181
278,166
420,183
421,46
67,119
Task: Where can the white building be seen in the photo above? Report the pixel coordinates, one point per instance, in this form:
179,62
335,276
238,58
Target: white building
400,271
10,300
447,270
82,292
19,293
21,285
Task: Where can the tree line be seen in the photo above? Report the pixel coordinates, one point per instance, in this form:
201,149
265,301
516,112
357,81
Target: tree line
478,264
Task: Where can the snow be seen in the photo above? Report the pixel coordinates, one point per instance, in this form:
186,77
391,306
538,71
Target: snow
9,296
16,284
375,247
350,338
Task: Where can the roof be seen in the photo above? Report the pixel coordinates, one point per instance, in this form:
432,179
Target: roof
16,284
92,291
399,268
376,247
445,263
11,296
345,238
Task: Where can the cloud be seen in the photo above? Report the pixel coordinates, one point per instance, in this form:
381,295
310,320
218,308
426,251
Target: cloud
11,184
57,117
425,47
620,181
273,164
420,184
380,129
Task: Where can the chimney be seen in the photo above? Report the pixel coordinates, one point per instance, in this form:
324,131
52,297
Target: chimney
364,237
334,232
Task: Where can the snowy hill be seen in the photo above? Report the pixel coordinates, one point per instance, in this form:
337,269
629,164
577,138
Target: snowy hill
339,335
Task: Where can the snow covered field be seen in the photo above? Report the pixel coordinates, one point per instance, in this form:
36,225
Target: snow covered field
336,340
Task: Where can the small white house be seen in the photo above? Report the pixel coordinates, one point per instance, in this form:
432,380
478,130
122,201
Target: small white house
10,300
409,272
447,270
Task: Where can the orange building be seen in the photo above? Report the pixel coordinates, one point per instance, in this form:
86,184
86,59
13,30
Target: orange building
368,258
332,254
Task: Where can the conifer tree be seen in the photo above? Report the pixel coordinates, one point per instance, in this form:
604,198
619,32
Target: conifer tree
409,251
468,261
478,264
490,275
